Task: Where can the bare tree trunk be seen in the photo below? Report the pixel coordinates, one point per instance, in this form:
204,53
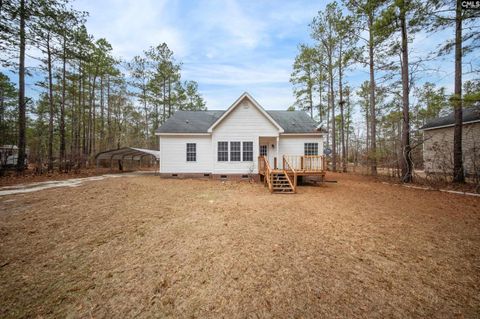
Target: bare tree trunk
85,121
164,100
373,113
62,107
310,93
102,116
94,120
21,93
145,107
349,117
73,122
332,101
328,114
406,148
91,118
50,100
342,118
458,173
367,122
169,97
320,91
109,116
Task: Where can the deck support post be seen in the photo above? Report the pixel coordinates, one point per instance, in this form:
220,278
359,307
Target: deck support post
278,147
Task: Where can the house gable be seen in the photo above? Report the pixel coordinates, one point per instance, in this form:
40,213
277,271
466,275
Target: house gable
245,101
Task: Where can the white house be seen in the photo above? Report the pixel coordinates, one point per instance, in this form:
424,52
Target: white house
227,144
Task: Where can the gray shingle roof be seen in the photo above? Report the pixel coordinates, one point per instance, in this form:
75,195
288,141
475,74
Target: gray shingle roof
294,121
190,122
200,121
468,115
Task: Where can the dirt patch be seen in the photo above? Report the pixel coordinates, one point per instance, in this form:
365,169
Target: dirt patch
151,247
29,176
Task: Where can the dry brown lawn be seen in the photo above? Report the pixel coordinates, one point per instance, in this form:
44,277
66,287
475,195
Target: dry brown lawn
150,247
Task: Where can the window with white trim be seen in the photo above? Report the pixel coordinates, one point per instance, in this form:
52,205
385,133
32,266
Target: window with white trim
247,155
235,151
263,150
191,152
222,152
311,149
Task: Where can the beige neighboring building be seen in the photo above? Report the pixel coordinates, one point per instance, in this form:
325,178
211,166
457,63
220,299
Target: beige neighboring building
438,143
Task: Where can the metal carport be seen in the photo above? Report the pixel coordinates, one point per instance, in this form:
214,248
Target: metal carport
126,153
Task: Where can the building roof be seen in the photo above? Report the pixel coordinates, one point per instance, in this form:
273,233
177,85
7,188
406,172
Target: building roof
294,121
190,122
132,152
200,121
471,114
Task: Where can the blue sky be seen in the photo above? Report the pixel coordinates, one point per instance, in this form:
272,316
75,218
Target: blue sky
227,46
232,46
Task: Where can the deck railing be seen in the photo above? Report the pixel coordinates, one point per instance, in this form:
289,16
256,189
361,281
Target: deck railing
305,163
288,170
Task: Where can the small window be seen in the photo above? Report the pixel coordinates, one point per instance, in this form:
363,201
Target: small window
191,152
247,151
311,148
222,152
263,150
234,151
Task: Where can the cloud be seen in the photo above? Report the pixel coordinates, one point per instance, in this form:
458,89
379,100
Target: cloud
133,26
232,46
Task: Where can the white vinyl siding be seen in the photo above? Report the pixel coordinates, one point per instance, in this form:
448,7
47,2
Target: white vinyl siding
173,158
245,124
295,144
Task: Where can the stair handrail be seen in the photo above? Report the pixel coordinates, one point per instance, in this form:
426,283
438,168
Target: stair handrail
268,173
286,167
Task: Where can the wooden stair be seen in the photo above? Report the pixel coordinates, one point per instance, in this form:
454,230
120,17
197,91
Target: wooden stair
280,184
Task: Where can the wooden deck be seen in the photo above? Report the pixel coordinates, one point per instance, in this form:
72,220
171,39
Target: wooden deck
284,179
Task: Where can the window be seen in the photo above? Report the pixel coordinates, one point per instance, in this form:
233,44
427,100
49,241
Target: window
235,151
222,152
247,151
191,152
263,150
311,148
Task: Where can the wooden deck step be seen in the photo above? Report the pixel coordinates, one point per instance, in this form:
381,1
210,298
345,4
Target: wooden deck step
280,184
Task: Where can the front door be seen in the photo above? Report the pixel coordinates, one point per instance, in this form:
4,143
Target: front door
264,151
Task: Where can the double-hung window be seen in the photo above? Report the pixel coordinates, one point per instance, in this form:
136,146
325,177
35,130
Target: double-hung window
191,152
222,152
235,151
311,149
247,151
